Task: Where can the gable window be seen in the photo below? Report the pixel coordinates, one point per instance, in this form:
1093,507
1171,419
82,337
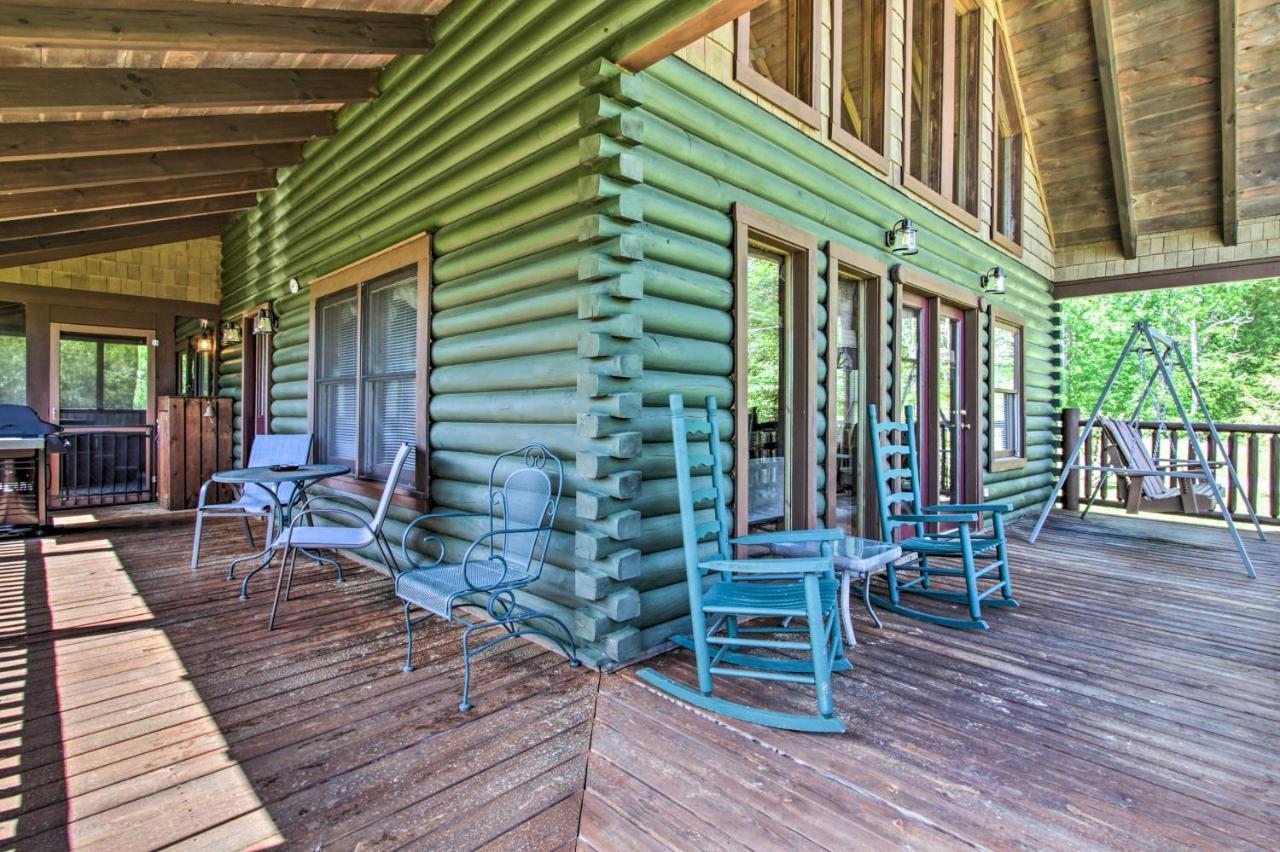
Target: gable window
859,68
944,96
776,55
370,380
1008,155
1007,438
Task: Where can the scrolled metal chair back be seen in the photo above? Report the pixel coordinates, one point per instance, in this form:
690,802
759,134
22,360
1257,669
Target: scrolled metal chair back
523,507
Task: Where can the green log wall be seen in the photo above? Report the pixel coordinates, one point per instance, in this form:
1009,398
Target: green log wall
581,271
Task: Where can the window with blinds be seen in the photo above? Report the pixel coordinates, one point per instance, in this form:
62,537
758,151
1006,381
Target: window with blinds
366,397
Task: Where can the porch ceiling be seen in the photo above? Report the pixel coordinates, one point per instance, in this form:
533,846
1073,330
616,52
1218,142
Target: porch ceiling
1150,115
120,119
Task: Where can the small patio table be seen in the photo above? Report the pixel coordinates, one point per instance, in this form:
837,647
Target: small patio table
270,480
854,559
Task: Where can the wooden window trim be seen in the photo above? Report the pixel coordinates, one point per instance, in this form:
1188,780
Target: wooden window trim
248,378
751,225
1001,241
808,111
1002,78
1015,320
873,274
877,160
942,204
414,251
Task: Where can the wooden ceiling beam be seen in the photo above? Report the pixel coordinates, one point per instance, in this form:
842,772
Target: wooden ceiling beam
32,91
1229,85
658,44
61,246
74,172
48,140
201,26
1109,80
64,201
43,226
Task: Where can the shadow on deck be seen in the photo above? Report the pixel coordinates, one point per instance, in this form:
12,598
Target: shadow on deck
1130,702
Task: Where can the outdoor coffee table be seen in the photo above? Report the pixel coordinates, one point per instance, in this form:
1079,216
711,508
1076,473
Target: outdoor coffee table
854,559
270,480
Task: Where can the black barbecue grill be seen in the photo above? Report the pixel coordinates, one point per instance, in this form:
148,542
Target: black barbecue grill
25,441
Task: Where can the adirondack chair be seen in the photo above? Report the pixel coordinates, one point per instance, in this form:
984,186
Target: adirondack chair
786,589
898,493
499,563
1143,476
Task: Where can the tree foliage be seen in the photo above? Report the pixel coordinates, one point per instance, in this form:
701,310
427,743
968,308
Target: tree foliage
1230,334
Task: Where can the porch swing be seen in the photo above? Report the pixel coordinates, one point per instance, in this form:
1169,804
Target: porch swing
1154,483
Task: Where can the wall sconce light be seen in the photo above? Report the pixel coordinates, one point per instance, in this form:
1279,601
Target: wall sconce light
993,281
265,322
902,238
295,286
230,333
204,341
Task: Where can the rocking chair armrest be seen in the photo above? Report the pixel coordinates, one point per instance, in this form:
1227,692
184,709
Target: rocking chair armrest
790,537
968,507
778,566
950,518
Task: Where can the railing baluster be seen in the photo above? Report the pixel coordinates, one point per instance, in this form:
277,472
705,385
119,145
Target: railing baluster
1275,476
1251,478
1234,456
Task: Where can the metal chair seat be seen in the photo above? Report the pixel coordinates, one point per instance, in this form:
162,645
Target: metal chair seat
324,538
785,598
437,588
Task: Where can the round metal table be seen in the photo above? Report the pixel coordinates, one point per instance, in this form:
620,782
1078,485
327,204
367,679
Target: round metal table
270,480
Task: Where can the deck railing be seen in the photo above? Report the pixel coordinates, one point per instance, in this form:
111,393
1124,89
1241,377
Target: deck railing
104,466
1253,448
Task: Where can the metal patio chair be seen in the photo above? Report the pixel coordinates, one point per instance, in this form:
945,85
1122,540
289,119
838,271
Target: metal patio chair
253,501
898,493
495,566
783,590
360,527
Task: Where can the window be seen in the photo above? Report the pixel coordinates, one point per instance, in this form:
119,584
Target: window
1007,208
859,67
776,375
13,353
1008,426
102,380
944,96
369,364
776,55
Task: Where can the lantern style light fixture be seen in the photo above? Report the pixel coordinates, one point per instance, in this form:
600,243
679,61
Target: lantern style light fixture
230,333
265,322
993,282
204,340
902,238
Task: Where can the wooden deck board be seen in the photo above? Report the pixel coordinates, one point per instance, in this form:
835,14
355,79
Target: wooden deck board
1130,702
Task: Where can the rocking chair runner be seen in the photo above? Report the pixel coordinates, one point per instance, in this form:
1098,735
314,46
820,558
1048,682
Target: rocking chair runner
801,588
495,566
959,543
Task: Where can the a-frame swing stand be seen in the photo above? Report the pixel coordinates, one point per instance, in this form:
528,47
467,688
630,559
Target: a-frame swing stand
1146,339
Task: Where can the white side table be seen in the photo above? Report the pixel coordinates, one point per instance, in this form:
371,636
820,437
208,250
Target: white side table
855,559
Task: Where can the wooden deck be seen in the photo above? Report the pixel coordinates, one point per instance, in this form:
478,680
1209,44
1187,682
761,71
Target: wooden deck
1130,702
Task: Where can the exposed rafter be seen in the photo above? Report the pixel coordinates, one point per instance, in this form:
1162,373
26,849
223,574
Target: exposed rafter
651,45
31,204
203,26
41,249
33,91
71,223
1109,80
49,140
1228,86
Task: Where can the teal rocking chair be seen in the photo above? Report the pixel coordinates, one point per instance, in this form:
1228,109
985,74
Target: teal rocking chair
898,493
786,590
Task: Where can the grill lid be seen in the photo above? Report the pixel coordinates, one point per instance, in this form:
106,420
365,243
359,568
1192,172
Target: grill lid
20,421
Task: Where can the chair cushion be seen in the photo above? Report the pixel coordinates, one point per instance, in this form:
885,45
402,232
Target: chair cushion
434,589
946,547
325,538
785,595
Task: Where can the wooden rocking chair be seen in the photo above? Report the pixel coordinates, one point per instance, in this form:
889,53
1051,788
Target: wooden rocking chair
784,589
898,487
1144,478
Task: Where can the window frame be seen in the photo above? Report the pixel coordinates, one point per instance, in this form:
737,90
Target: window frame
1000,316
1004,80
942,197
809,110
414,252
878,160
752,227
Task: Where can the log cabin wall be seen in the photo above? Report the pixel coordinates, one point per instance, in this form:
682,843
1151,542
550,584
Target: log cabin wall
581,232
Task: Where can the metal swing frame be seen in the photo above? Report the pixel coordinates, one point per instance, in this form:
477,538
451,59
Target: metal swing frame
1145,338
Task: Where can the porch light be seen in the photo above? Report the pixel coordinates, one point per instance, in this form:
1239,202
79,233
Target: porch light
993,281
204,343
230,333
902,239
265,322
